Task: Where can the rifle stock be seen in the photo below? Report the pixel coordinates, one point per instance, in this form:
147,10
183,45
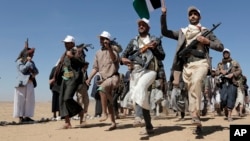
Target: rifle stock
26,46
194,43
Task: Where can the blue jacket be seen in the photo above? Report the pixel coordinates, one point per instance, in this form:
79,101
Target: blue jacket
24,71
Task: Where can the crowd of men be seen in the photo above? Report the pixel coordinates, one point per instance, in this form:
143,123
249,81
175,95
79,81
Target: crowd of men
194,87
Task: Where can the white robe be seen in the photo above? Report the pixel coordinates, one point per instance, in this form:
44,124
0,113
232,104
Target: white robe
141,82
24,101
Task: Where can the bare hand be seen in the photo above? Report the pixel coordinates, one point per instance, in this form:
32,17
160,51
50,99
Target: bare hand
163,10
126,61
153,44
88,82
69,54
51,81
203,40
29,58
163,7
229,75
223,71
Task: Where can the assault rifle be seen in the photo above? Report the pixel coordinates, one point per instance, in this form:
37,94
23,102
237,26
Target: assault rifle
143,61
221,77
85,46
194,43
80,49
26,46
116,45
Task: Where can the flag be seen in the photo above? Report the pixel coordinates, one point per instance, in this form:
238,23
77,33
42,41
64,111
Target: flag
144,7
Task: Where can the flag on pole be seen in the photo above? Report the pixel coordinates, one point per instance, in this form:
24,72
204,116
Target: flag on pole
144,7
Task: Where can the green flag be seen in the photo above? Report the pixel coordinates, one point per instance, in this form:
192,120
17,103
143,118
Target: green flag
144,7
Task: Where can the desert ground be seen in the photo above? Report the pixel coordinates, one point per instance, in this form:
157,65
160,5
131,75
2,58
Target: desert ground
167,127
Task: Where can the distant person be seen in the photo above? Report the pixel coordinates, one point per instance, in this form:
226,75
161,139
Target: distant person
214,93
96,96
156,97
126,102
24,96
116,95
240,100
55,89
178,97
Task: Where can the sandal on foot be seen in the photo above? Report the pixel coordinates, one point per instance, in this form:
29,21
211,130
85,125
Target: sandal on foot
82,124
196,121
104,117
112,127
138,123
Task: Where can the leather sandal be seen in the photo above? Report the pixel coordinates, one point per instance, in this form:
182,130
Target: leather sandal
196,121
112,127
104,117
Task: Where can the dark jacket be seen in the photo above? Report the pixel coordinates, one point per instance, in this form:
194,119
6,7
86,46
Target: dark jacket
158,52
215,43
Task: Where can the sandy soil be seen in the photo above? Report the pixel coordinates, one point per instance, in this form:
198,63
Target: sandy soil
167,127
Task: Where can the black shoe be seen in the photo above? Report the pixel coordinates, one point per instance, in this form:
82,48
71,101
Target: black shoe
28,119
21,119
198,130
182,115
150,131
226,112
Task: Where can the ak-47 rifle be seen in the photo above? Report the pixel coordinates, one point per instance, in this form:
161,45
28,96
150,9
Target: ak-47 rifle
222,77
78,51
85,46
25,53
144,60
115,45
194,43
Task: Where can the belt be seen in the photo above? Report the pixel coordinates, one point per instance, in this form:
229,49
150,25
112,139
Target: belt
68,74
198,53
192,58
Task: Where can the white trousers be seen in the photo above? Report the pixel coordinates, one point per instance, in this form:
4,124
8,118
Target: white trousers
24,101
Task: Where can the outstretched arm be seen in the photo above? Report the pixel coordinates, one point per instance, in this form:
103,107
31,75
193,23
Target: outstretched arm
164,28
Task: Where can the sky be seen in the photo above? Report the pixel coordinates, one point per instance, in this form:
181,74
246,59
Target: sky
47,22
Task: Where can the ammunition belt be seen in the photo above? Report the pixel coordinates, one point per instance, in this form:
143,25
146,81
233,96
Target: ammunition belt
68,74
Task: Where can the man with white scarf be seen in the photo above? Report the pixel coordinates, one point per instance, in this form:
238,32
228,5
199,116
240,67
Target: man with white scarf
194,69
141,76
